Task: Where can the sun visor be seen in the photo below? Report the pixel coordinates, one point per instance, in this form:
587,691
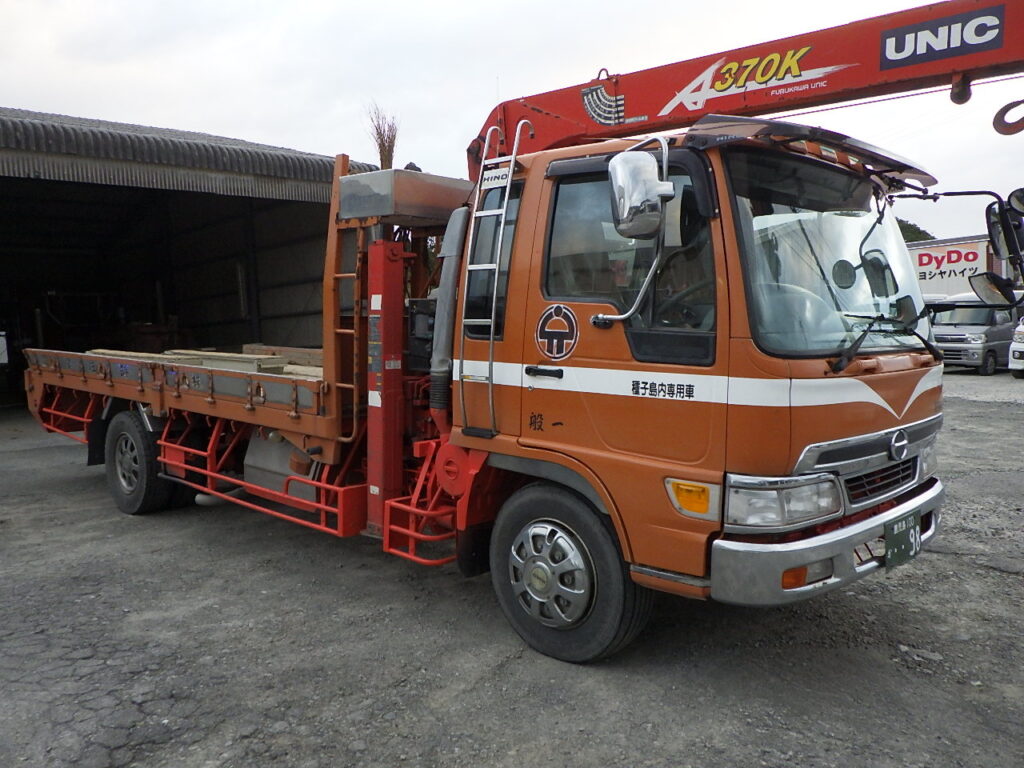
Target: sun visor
718,130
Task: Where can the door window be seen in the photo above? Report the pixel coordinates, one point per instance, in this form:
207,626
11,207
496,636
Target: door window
588,261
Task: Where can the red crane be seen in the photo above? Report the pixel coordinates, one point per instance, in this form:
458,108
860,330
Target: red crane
950,43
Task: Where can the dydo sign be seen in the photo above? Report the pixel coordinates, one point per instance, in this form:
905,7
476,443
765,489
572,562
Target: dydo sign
944,267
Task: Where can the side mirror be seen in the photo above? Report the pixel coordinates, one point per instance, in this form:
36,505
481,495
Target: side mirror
637,194
1016,200
880,277
992,288
1005,228
907,313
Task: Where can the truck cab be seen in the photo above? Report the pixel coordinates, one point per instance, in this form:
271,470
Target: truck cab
746,395
973,335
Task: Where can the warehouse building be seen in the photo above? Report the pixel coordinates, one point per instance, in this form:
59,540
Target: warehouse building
115,235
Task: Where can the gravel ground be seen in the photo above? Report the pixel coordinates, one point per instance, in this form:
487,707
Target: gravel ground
221,637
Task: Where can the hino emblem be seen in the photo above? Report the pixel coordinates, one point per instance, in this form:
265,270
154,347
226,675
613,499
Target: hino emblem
899,443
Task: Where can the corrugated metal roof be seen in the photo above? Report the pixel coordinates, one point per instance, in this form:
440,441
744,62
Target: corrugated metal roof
63,148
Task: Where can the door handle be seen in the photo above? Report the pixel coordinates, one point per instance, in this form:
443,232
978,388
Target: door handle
534,370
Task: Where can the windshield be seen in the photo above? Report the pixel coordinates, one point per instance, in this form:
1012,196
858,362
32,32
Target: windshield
821,255
964,315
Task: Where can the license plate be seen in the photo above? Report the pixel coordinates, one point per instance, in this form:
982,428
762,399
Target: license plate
902,539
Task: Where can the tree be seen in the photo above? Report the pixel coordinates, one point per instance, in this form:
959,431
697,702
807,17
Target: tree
384,132
913,233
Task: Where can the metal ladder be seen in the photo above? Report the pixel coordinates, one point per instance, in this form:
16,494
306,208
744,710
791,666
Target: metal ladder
491,266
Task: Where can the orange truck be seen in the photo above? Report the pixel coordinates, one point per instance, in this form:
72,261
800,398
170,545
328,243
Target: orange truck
697,364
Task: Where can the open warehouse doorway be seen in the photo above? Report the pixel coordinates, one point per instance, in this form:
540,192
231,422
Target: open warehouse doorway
137,238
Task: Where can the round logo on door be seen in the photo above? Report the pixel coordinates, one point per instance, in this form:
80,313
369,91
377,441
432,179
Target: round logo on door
557,332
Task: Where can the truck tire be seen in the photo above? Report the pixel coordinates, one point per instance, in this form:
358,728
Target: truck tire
560,578
132,468
988,364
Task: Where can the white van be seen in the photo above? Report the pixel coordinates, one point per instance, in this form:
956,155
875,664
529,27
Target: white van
1017,351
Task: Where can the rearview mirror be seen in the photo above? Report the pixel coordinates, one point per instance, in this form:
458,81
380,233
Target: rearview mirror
1005,229
992,288
844,274
1016,200
637,194
879,275
906,311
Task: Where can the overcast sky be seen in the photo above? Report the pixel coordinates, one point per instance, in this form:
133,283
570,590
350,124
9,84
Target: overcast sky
302,74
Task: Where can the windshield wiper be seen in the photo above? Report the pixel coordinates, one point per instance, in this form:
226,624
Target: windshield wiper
902,326
848,353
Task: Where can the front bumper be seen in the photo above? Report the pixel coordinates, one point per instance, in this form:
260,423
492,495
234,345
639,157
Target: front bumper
1016,357
969,355
751,574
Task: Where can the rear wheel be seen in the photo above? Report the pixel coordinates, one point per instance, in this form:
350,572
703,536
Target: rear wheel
132,468
560,578
988,364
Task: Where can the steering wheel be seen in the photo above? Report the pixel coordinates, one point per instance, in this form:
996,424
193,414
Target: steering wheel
676,310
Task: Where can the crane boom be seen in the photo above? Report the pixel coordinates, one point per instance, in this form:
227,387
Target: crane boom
953,42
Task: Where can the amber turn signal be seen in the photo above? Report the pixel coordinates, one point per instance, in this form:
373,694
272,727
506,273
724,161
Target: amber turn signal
794,577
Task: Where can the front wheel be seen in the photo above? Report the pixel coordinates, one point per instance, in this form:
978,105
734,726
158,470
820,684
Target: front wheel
132,468
988,364
560,578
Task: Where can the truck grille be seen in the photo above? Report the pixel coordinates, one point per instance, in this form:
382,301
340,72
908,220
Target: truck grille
865,488
953,354
954,338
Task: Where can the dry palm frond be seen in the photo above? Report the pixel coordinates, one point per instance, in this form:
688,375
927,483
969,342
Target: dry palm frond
384,132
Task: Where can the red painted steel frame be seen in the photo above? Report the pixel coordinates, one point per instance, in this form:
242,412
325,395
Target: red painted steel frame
346,504
60,405
385,382
426,516
824,67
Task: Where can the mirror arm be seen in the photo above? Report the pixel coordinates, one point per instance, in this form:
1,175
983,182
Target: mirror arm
605,321
664,152
933,196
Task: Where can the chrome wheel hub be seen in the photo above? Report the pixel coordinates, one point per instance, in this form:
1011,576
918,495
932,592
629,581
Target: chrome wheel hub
126,462
551,574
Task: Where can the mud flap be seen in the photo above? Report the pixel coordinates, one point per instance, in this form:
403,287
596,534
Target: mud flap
472,549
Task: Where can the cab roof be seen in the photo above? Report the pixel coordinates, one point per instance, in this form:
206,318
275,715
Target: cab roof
716,130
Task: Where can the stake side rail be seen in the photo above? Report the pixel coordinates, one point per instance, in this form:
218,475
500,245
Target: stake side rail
288,403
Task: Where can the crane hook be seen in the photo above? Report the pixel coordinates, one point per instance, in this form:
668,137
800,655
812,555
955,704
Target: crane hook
1005,127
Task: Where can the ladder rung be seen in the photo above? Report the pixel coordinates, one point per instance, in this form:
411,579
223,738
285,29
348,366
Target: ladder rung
345,331
478,267
489,212
476,321
342,385
496,160
344,275
475,379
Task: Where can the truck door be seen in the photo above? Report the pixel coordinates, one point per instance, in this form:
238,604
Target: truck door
643,401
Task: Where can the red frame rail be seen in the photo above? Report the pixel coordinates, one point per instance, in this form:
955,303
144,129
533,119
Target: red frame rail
339,509
60,404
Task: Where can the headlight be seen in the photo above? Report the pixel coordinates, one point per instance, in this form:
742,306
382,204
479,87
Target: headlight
929,460
781,502
975,338
1018,336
